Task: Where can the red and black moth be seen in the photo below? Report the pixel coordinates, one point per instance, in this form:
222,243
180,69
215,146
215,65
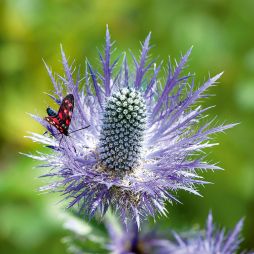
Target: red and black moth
62,119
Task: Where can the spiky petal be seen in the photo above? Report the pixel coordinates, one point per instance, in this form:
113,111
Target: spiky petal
210,241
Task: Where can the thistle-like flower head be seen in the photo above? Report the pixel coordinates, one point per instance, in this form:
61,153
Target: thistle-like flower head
210,240
144,138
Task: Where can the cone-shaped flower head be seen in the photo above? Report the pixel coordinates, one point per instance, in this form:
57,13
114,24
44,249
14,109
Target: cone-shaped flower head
144,138
124,122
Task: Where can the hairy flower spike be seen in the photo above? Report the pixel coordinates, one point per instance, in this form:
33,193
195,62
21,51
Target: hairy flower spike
144,140
122,131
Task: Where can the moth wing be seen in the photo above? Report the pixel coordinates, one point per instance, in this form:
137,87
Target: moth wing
66,109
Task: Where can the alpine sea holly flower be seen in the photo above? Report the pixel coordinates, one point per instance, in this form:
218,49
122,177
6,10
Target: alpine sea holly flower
210,240
144,140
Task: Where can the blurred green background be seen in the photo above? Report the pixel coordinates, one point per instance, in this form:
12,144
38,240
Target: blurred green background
222,33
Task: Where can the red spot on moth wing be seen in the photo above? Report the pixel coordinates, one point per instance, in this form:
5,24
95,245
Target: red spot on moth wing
69,107
55,120
60,114
68,121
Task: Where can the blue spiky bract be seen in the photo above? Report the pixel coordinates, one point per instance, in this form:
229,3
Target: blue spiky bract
209,241
144,141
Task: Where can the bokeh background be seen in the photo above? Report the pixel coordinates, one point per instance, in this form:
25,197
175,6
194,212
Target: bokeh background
222,33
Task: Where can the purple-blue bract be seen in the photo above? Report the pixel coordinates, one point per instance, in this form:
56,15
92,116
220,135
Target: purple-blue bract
145,137
210,241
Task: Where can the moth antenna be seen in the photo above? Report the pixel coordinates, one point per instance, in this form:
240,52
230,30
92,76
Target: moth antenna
80,129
